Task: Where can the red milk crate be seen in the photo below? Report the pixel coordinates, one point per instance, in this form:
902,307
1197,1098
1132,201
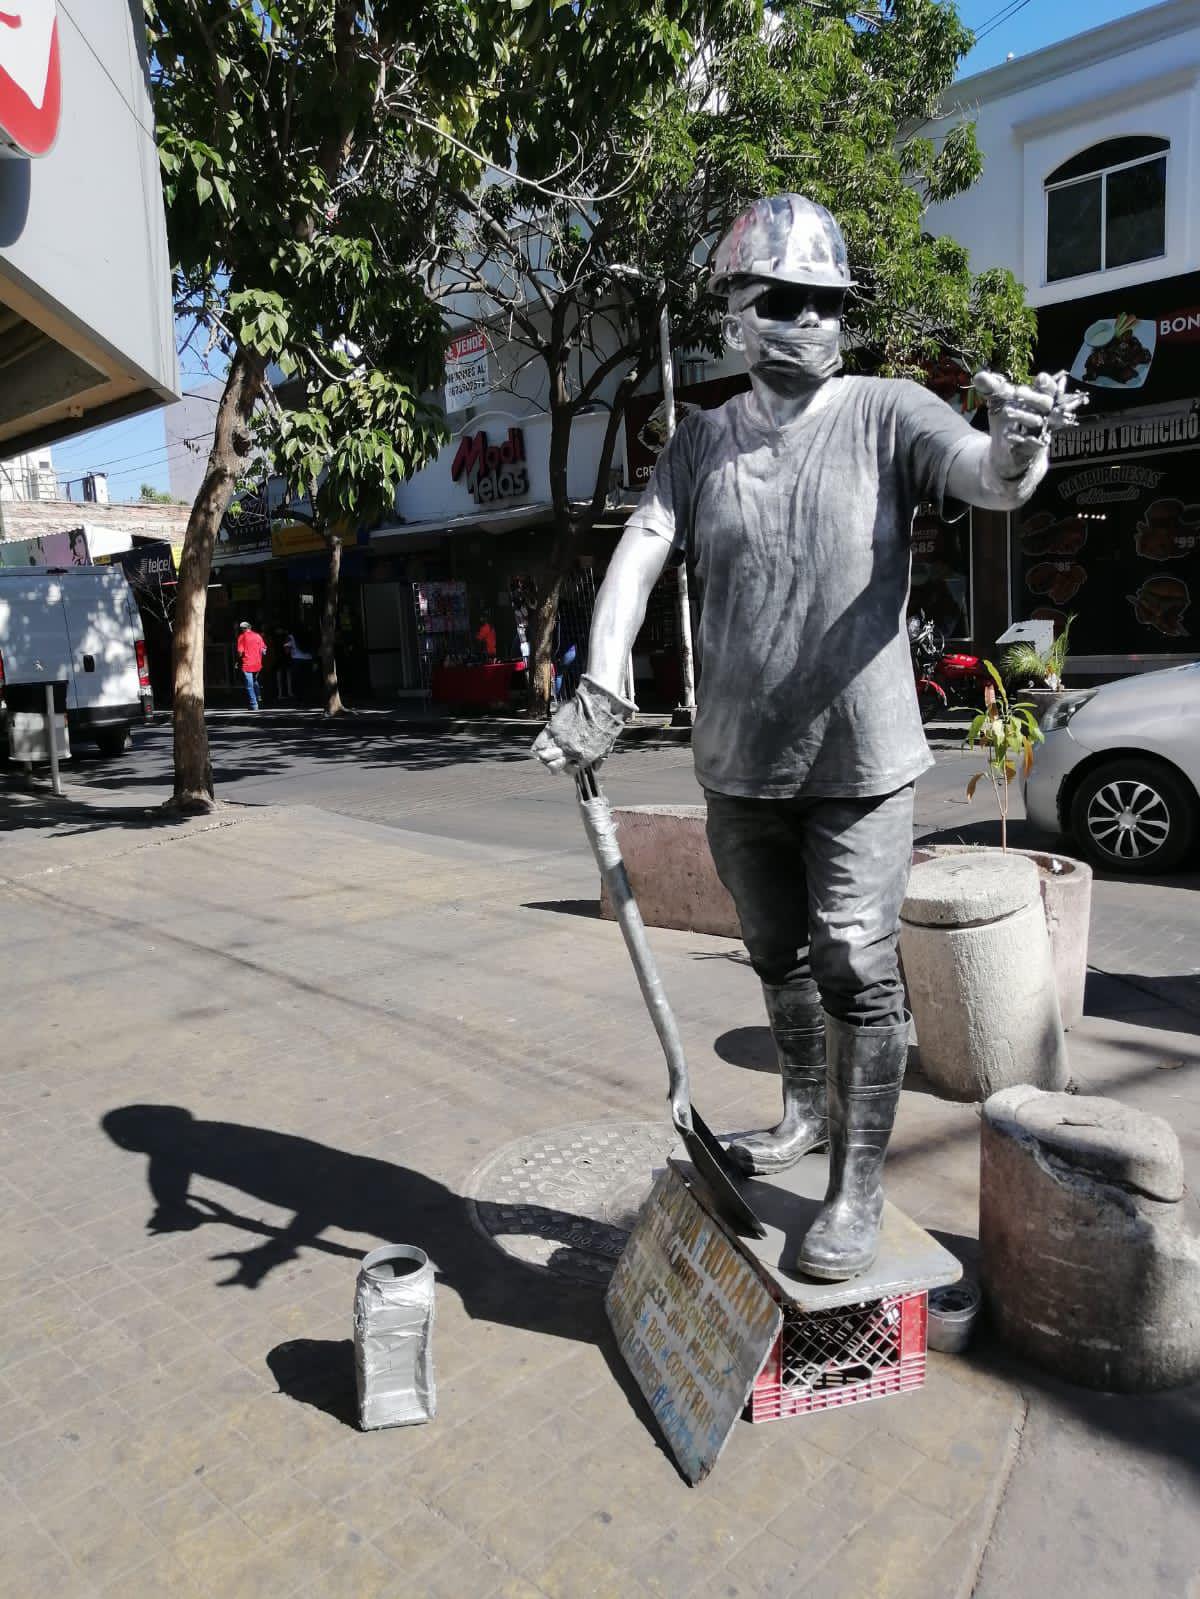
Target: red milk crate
836,1357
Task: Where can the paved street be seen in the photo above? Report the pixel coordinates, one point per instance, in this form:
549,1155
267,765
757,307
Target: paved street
377,969
478,785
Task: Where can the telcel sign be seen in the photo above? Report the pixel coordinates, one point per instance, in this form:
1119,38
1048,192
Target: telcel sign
30,77
494,473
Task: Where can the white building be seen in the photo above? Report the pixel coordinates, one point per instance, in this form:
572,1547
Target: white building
29,476
1089,196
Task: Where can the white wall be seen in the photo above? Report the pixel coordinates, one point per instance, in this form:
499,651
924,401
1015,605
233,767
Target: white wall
1140,75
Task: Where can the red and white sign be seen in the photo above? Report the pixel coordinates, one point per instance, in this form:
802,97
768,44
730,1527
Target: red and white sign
466,368
494,473
30,77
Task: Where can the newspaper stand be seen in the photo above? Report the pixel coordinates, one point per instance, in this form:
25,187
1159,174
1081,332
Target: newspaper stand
713,1325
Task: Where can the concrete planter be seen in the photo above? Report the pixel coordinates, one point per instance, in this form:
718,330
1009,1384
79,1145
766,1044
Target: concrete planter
981,986
1066,889
671,870
1042,699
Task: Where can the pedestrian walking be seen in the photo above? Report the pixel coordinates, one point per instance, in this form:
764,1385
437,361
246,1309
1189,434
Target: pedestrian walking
285,643
251,651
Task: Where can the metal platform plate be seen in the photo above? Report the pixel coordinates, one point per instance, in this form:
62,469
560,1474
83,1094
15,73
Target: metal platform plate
909,1258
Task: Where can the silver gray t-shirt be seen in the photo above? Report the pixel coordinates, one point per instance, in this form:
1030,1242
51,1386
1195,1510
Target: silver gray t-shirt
798,539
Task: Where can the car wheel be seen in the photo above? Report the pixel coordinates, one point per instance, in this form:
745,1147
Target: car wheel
1134,816
112,741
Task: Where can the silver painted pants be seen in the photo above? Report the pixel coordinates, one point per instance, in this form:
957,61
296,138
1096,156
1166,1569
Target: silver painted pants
818,885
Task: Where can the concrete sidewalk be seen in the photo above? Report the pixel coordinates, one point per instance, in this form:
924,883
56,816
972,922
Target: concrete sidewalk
349,1020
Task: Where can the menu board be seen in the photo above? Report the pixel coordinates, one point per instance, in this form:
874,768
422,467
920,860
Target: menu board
693,1320
1116,541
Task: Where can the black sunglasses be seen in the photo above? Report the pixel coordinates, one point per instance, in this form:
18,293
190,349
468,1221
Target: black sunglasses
787,302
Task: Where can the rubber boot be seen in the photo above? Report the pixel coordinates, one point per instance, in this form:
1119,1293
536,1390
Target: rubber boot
798,1028
866,1068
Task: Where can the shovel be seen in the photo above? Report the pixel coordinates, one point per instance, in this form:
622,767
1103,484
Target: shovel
715,1172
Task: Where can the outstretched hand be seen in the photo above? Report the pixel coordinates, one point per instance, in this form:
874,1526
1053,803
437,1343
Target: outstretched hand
1023,416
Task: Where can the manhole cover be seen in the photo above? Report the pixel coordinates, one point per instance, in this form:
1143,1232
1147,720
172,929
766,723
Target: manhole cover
564,1201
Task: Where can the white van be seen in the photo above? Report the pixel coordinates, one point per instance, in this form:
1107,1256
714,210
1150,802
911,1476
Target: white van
77,626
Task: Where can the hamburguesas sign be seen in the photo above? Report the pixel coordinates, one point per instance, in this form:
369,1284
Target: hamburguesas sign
494,473
30,77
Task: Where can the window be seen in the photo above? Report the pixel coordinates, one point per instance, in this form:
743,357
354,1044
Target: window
1107,207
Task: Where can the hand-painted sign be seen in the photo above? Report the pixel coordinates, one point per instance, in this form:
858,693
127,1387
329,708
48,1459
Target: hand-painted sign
30,77
466,370
494,473
693,1320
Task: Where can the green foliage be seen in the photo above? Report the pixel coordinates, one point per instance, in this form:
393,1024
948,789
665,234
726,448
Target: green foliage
1026,664
833,101
149,495
1005,733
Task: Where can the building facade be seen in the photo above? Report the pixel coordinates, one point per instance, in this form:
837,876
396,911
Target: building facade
1088,195
86,328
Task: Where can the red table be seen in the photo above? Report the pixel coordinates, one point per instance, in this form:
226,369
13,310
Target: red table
474,685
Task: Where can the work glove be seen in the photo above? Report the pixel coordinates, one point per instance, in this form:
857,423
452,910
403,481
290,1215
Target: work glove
1021,419
583,731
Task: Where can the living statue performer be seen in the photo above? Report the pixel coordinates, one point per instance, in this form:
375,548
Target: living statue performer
793,506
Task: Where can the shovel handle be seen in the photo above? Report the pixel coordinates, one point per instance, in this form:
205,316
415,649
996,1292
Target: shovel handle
602,835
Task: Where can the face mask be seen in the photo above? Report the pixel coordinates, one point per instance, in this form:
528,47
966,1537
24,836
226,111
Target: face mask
806,354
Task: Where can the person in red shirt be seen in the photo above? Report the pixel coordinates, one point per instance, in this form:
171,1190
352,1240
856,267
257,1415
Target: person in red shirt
251,650
485,637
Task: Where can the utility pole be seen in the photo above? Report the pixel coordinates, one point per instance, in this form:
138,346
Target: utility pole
685,712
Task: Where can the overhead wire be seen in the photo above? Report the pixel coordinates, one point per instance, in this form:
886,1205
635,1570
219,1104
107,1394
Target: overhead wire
999,18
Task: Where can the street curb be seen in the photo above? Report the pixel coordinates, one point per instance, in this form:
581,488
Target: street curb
640,730
1004,1476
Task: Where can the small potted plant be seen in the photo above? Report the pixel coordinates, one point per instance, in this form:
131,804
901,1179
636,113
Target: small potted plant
1006,733
1038,673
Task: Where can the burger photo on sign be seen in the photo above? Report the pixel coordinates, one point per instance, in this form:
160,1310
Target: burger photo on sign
1116,353
1161,603
1168,530
30,77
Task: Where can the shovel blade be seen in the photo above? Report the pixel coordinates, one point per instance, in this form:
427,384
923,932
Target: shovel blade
711,1164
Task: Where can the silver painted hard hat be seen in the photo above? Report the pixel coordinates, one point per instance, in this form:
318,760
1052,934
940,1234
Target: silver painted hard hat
784,237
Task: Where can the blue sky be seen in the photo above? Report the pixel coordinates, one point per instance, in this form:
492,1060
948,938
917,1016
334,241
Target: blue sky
134,452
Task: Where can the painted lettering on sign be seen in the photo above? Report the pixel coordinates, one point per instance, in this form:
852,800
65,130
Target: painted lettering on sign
30,77
694,1322
494,473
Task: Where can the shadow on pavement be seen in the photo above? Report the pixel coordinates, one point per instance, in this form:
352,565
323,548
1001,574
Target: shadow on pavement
566,907
326,1187
1170,1003
318,1372
29,809
751,1048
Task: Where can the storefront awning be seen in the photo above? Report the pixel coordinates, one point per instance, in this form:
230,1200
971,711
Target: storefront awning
512,519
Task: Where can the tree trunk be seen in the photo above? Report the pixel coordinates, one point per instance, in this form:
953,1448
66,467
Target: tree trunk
231,444
329,677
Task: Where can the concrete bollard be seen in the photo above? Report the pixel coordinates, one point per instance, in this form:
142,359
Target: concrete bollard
980,982
1066,886
1089,1243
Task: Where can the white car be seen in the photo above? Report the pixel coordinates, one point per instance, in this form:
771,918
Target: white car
1120,770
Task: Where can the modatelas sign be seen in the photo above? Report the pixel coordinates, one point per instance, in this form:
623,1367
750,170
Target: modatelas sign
30,77
494,473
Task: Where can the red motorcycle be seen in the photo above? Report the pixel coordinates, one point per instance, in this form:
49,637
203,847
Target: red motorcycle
944,680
